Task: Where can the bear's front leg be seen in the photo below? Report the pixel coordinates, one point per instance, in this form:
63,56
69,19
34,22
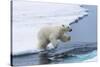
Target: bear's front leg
65,38
53,40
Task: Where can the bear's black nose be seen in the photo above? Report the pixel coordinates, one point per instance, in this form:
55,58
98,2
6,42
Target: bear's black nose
70,30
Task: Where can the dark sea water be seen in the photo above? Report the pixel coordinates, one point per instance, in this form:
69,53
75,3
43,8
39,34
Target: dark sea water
83,45
86,29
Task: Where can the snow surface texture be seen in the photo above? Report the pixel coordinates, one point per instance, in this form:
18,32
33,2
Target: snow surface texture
29,17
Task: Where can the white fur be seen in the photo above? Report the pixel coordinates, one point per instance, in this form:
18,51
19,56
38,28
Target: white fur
51,34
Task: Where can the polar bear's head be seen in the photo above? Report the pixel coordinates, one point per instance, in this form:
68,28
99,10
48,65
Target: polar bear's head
66,28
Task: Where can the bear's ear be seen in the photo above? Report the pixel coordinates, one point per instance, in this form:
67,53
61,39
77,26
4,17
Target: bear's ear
63,25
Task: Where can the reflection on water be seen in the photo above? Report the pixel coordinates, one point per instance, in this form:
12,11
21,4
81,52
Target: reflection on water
43,58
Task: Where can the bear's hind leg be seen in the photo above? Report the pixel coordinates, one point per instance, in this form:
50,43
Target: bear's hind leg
42,45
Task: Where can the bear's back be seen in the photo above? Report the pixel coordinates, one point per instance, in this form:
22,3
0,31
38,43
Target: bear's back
47,30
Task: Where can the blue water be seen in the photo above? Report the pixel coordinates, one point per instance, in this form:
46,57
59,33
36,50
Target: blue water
78,58
86,29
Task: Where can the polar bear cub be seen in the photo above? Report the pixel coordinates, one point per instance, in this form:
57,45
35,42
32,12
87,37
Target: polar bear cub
51,34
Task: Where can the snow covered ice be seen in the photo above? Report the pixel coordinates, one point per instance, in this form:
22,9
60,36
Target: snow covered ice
29,17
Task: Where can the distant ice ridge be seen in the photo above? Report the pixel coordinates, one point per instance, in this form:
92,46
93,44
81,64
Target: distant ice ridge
29,17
